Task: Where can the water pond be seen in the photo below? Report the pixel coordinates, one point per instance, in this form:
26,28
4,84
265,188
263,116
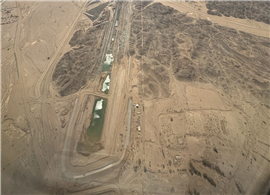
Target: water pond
94,131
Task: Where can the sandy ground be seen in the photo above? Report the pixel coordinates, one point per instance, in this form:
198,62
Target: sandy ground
199,10
196,123
35,119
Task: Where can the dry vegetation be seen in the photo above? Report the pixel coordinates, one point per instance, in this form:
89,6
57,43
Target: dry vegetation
199,89
96,11
253,10
192,77
83,62
197,50
8,16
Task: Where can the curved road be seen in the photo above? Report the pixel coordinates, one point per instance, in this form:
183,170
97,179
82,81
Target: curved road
56,55
42,141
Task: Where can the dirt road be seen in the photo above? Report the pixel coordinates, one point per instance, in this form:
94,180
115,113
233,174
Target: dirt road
42,159
57,55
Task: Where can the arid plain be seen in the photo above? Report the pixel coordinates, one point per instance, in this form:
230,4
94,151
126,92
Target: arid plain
135,97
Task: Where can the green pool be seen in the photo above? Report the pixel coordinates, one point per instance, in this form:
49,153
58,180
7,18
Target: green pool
94,131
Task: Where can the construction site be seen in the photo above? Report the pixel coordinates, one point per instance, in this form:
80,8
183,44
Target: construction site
135,97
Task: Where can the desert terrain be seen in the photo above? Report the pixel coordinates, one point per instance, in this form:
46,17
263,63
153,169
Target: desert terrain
135,97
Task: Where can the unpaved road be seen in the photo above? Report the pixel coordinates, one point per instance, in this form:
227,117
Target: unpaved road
54,60
36,145
42,129
185,123
104,163
128,124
